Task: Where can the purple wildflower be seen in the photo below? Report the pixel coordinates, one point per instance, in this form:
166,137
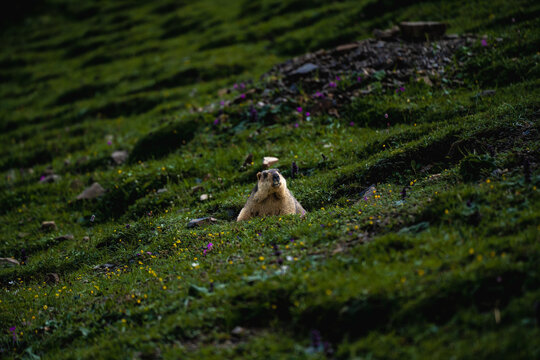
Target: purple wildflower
253,113
484,42
109,142
296,125
13,333
359,79
386,116
294,169
332,84
242,96
351,123
299,109
242,85
307,114
128,226
92,218
216,121
235,86
318,95
222,103
209,246
42,178
338,78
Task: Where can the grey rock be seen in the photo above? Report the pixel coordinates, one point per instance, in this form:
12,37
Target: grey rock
305,69
489,92
9,262
50,178
200,222
238,331
95,190
64,237
119,156
269,161
104,266
48,225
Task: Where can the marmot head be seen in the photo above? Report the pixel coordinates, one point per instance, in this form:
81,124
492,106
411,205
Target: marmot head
270,181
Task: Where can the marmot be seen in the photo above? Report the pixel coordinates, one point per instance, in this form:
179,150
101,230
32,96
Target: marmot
270,197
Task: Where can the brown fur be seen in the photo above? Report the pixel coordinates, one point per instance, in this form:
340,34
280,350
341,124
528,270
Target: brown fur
270,197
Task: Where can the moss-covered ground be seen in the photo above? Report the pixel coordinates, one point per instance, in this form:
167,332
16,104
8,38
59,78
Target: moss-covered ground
440,261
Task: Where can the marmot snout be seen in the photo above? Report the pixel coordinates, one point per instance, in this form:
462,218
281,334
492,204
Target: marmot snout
270,197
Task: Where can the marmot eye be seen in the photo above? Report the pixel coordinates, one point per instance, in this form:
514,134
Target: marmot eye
265,175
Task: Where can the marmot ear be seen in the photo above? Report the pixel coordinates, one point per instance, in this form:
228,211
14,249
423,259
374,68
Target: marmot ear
259,175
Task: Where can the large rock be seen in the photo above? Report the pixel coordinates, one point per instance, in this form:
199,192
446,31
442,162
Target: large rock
119,156
268,161
305,69
9,262
238,331
422,30
95,190
64,237
49,178
48,225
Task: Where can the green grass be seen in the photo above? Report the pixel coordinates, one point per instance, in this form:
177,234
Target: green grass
448,270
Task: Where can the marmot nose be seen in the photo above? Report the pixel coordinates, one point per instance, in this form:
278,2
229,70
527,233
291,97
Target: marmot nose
275,178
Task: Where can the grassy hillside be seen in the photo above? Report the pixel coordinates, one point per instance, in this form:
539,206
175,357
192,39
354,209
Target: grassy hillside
438,260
